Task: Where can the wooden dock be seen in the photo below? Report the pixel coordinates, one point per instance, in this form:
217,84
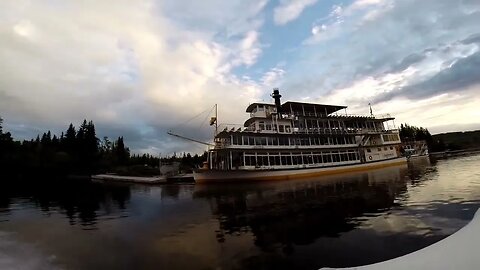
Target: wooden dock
181,178
130,179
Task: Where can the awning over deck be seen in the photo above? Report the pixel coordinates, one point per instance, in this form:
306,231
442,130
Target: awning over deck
310,108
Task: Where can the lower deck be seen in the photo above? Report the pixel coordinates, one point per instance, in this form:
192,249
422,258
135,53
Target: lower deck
281,159
219,176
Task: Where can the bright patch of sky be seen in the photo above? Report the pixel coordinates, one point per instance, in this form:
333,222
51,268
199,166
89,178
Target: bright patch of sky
140,68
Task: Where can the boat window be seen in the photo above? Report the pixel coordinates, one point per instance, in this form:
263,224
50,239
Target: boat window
261,125
259,161
268,127
385,148
327,158
286,159
281,128
274,141
379,149
369,150
322,140
391,147
292,141
260,108
295,160
249,160
287,129
271,160
310,159
277,160
235,140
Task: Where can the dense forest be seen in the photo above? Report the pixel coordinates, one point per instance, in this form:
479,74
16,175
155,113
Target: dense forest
78,151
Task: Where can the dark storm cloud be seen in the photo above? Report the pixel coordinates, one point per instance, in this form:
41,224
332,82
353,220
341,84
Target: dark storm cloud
407,62
461,75
475,38
399,35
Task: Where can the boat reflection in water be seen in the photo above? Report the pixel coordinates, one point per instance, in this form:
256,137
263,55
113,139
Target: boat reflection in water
294,213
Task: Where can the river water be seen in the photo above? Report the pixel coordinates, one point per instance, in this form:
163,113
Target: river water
339,221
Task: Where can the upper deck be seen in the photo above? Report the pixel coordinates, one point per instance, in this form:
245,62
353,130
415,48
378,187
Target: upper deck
306,118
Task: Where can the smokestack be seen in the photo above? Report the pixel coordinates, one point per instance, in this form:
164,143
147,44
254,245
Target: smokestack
276,96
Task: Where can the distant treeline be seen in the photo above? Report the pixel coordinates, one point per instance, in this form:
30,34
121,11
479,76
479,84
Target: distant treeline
78,152
443,141
459,140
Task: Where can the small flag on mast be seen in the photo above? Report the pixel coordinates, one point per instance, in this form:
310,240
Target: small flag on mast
371,112
213,120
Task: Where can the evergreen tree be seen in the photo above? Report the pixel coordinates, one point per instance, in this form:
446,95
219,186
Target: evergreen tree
122,154
70,139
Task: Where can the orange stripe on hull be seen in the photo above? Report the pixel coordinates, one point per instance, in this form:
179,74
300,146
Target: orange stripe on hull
327,171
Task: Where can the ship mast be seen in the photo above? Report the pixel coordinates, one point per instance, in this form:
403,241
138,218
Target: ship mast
216,119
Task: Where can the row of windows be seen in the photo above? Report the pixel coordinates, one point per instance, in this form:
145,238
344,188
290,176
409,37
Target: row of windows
390,137
309,123
379,149
269,126
286,141
285,159
313,123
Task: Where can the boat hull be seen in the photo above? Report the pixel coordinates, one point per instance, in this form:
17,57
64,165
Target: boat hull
214,176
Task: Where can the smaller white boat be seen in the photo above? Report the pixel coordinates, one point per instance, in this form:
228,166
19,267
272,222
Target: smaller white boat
415,149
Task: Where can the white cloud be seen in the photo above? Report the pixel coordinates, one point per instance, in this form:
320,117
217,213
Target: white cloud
403,56
273,77
123,65
352,15
248,49
289,10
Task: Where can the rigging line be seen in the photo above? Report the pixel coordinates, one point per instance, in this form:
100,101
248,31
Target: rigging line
184,123
206,117
231,124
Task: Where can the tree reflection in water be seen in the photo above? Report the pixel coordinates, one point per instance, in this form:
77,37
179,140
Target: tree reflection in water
80,201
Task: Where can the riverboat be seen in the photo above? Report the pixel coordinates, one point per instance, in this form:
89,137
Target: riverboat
290,140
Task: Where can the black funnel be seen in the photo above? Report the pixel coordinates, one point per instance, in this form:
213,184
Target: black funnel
276,96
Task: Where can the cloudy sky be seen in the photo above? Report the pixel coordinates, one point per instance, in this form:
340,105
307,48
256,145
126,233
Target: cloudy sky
140,68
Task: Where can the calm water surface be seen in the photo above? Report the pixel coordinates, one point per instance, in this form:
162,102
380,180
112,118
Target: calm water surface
339,221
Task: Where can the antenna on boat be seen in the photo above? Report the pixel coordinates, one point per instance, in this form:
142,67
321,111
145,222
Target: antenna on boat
371,112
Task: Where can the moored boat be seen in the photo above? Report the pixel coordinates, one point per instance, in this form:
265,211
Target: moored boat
297,140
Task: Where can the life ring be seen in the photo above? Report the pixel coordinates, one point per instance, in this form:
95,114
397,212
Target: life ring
370,157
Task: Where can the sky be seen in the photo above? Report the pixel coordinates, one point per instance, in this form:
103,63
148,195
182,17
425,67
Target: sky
141,68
